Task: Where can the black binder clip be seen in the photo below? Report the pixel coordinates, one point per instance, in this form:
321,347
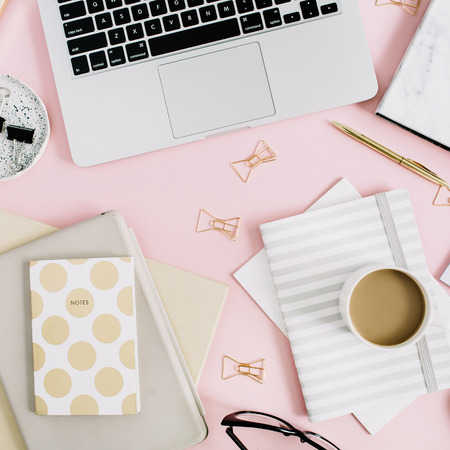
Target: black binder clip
22,136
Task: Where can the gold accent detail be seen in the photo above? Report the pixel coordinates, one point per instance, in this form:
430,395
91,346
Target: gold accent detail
55,330
106,328
40,407
57,383
262,154
109,382
38,357
79,302
37,305
104,275
410,6
437,195
82,355
207,222
84,405
129,404
125,300
126,354
254,369
53,277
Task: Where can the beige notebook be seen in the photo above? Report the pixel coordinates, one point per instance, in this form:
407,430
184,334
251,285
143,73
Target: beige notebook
193,305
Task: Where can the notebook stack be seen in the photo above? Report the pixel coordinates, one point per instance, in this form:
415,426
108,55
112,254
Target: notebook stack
310,257
83,299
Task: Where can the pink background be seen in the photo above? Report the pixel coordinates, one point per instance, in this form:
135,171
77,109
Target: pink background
160,195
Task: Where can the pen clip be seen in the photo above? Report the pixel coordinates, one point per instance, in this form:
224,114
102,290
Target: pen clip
423,167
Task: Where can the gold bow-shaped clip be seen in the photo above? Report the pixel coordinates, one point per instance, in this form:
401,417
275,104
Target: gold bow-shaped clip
437,195
411,6
254,370
207,222
262,154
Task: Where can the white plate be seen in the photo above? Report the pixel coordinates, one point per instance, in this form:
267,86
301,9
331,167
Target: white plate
22,108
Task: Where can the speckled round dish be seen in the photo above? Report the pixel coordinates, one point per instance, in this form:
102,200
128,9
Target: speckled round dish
22,108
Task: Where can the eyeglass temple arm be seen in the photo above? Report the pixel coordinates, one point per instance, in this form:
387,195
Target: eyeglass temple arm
235,439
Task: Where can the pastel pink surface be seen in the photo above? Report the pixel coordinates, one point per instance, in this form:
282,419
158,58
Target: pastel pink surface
160,195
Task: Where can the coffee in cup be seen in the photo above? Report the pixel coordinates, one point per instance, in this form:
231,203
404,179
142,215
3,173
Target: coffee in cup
386,307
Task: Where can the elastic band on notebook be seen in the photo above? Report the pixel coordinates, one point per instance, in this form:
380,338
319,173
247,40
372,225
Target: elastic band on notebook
400,261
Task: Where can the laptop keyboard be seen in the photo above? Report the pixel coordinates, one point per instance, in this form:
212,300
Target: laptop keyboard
104,34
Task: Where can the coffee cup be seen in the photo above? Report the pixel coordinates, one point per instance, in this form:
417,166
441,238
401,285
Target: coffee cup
387,307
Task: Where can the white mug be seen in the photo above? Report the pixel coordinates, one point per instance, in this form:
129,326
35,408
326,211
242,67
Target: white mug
428,320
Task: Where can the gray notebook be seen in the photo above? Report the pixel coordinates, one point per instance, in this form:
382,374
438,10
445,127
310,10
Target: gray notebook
168,397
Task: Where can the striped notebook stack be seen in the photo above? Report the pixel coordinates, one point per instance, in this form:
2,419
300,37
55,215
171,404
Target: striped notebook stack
310,257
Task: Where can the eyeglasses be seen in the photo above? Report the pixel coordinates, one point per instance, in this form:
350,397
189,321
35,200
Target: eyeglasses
261,421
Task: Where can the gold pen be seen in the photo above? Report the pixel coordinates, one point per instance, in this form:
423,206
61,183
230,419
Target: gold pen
405,162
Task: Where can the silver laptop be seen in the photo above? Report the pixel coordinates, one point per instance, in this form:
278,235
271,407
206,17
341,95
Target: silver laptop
135,76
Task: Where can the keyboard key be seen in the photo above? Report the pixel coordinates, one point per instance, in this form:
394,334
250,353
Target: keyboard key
158,7
309,9
129,2
78,27
87,43
95,6
272,18
279,2
103,21
116,36
122,16
328,9
153,27
244,6
137,51
64,1
111,4
292,17
226,9
263,3
140,12
193,3
189,18
208,13
171,22
80,65
251,23
72,10
116,56
135,31
205,34
176,5
98,60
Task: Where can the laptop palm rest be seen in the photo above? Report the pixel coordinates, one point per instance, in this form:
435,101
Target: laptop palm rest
216,90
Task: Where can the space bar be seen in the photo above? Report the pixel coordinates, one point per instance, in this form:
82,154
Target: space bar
182,40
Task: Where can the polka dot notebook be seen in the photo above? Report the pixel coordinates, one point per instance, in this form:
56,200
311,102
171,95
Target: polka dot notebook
84,337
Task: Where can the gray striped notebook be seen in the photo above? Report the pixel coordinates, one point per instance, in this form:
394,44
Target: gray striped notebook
310,256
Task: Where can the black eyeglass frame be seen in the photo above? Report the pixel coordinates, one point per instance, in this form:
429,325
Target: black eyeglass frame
232,420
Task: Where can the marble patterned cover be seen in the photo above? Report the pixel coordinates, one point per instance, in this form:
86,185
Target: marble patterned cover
419,96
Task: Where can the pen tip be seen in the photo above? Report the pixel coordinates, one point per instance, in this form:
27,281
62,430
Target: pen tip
338,125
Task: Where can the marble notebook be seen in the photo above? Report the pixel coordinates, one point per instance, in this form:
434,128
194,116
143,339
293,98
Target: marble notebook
418,97
84,336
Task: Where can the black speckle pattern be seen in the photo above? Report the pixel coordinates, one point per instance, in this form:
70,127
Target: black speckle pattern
22,108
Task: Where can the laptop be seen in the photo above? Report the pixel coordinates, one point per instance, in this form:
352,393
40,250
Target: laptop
136,76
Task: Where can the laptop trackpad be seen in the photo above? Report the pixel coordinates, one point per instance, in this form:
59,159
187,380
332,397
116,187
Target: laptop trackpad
215,90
